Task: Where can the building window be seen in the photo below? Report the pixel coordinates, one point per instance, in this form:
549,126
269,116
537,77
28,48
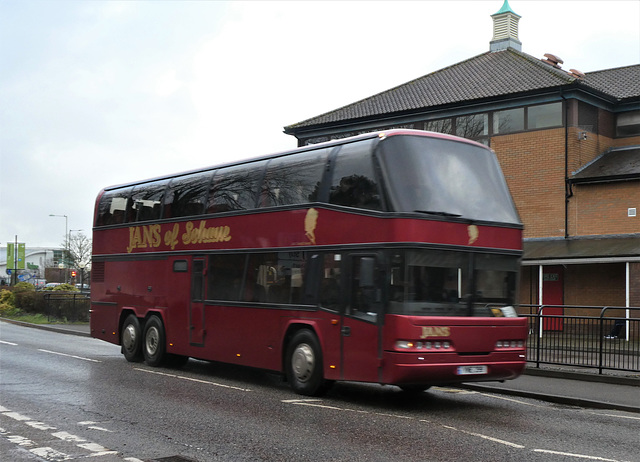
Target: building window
440,126
508,121
472,126
628,124
587,117
544,115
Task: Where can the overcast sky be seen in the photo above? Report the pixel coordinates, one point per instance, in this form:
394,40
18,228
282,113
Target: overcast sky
97,93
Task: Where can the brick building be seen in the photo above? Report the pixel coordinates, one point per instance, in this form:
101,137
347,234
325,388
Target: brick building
569,146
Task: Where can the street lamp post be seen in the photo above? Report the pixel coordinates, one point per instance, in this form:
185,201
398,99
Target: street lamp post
66,227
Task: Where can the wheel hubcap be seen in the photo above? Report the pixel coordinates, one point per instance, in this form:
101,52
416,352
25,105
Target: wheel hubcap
129,337
152,340
303,362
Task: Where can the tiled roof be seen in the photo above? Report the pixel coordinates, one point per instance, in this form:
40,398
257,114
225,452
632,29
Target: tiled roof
614,165
621,82
489,75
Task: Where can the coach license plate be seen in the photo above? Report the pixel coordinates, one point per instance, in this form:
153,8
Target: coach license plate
472,370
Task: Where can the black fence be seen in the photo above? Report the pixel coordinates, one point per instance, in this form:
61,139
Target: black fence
606,338
67,306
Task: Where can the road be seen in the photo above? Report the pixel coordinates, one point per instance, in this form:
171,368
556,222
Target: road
65,397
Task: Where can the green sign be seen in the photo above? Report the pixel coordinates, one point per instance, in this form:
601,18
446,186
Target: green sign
12,258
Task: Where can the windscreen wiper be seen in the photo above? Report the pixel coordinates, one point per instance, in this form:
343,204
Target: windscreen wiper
442,214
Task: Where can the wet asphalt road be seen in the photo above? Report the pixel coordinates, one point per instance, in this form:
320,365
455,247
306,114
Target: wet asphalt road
64,397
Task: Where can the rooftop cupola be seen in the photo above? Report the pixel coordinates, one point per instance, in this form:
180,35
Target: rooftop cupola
505,29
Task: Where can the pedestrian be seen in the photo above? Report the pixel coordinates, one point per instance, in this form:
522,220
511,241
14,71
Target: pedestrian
616,330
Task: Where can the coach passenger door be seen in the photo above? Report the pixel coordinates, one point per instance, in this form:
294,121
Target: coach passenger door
196,309
361,319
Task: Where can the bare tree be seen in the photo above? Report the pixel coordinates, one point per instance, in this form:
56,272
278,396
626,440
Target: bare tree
79,247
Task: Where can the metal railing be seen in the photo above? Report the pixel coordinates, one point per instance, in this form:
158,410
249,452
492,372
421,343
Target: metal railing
67,306
584,336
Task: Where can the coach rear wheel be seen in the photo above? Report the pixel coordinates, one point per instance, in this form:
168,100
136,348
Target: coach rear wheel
304,364
131,339
154,346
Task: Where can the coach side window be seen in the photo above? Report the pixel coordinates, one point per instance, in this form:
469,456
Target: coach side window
354,181
235,188
330,285
112,207
366,294
294,179
225,277
275,277
186,195
146,202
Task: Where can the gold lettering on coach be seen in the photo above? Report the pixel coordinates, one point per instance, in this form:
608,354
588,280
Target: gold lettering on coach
150,236
429,331
202,234
141,237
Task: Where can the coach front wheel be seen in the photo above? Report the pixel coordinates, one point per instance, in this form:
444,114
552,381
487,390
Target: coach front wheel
131,339
303,364
154,346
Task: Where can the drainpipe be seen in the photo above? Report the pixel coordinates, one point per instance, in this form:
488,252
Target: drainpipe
568,191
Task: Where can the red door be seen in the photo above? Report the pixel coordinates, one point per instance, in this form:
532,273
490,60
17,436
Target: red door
553,294
196,309
360,321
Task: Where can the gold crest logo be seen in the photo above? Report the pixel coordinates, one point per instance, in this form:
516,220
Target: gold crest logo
310,223
473,232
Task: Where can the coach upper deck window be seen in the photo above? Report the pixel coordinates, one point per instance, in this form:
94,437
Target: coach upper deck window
354,182
186,195
293,179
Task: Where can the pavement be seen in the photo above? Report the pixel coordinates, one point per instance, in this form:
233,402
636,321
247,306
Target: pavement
613,390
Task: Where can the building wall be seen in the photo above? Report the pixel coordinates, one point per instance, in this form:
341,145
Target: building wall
602,208
601,284
634,285
534,167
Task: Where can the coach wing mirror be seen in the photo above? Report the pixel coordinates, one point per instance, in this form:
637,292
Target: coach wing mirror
367,272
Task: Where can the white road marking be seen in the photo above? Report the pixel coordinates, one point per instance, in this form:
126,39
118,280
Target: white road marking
293,401
491,438
90,425
50,454
97,449
489,395
39,425
569,454
181,377
16,416
618,416
20,440
8,343
70,356
314,403
66,436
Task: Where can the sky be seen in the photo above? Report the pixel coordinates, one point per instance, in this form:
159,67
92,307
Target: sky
99,93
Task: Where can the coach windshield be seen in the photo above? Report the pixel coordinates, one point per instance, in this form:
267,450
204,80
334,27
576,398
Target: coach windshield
446,283
440,177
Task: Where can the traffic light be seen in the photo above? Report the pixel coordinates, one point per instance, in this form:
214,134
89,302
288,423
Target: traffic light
73,274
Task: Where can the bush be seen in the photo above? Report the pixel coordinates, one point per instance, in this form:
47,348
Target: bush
7,303
23,287
66,288
24,297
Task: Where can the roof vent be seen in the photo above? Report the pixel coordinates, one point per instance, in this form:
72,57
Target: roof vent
552,60
505,29
577,74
